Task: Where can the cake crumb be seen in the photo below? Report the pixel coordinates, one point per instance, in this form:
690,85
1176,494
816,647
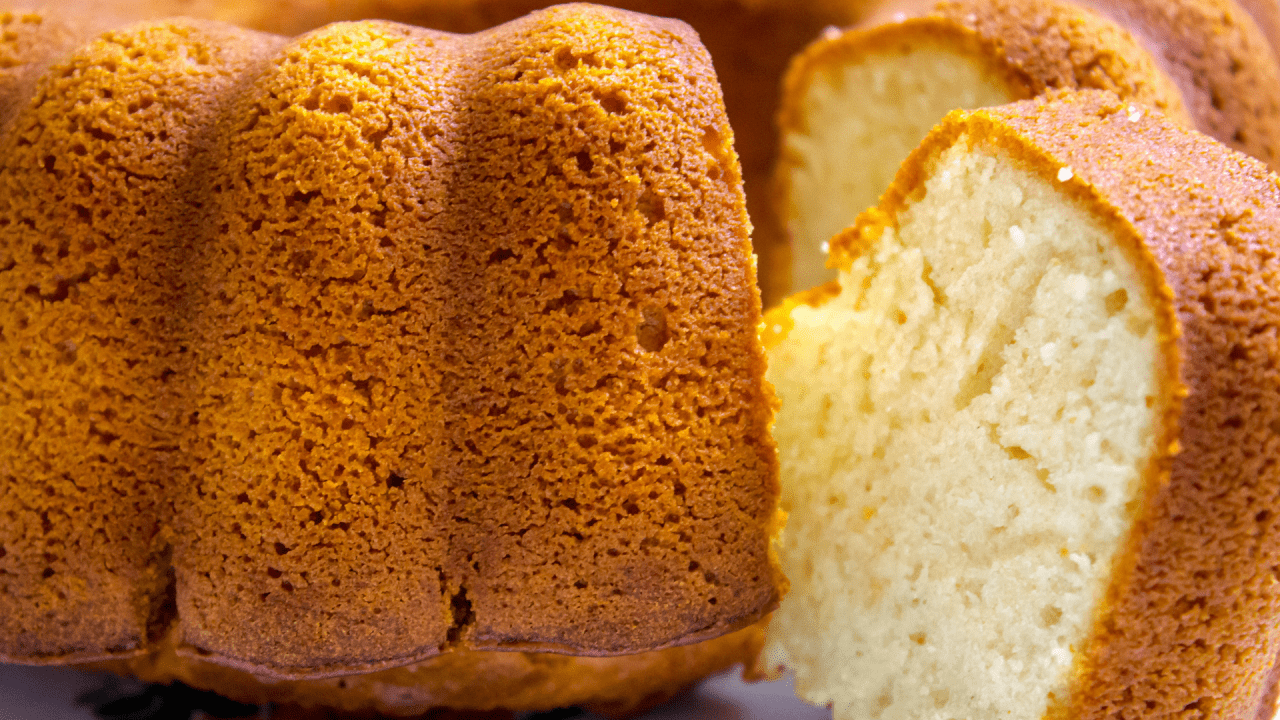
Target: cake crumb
1078,287
1018,236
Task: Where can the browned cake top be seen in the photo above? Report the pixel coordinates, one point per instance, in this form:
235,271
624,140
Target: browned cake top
1057,45
750,40
90,206
1220,59
378,342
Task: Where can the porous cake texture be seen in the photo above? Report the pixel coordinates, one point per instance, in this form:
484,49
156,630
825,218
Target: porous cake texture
873,91
848,126
1025,438
335,353
750,40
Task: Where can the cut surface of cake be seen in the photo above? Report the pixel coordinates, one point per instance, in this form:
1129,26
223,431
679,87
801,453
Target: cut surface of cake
334,353
856,102
1025,438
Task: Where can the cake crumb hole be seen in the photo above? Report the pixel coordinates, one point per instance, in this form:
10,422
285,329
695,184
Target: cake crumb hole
940,697
1050,616
651,207
463,615
1017,453
613,103
1116,302
651,333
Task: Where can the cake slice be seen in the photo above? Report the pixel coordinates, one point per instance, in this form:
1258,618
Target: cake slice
856,102
1028,438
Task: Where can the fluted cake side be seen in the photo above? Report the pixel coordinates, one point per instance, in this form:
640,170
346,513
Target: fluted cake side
342,351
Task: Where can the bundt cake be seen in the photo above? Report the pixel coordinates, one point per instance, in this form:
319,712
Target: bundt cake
333,354
1028,438
872,92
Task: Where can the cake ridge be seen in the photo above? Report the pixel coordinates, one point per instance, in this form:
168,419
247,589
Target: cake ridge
65,281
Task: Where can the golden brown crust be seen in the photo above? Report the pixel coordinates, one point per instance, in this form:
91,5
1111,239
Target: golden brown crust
1216,54
386,343
1190,620
1194,625
28,42
91,173
466,680
750,40
1221,61
1189,35
1056,45
734,31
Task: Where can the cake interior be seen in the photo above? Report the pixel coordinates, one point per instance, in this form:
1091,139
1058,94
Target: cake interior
964,435
860,115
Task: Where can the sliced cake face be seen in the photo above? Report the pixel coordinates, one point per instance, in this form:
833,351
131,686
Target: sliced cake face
856,102
966,432
852,119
